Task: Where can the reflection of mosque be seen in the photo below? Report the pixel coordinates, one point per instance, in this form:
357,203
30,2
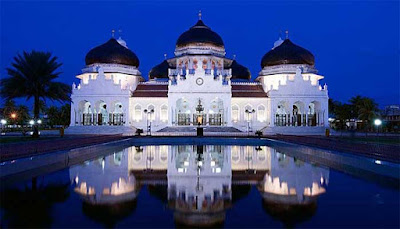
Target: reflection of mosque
200,182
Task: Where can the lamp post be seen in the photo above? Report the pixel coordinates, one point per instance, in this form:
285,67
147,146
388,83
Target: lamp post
377,123
148,125
3,123
249,112
199,109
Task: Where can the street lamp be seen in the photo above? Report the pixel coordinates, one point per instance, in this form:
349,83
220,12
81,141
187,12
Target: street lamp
249,112
39,121
148,112
31,122
3,123
377,123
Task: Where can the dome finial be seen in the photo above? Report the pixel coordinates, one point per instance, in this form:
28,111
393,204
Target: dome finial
120,33
234,56
112,32
165,56
199,14
287,34
280,34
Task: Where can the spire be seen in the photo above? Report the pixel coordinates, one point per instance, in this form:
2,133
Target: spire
234,56
287,34
199,14
112,32
280,34
165,56
120,33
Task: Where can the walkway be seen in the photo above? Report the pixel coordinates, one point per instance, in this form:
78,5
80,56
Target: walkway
378,151
11,151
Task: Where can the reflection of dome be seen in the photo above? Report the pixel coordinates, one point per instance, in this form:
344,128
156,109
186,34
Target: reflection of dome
289,214
211,220
287,53
112,52
109,214
199,33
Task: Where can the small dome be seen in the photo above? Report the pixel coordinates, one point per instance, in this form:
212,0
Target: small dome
199,33
112,52
239,71
287,53
159,71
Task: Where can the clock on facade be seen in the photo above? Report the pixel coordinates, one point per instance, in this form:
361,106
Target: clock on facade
199,81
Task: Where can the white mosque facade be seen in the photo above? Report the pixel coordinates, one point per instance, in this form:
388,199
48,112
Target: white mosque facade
201,86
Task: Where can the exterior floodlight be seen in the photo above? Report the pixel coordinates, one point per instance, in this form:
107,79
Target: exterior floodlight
331,119
377,122
39,121
13,115
3,122
31,122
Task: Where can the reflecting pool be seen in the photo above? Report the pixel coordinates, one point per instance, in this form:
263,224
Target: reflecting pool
198,186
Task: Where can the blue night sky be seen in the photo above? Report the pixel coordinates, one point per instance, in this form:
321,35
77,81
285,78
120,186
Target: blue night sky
356,44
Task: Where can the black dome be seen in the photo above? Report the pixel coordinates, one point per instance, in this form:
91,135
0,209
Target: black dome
199,33
287,53
112,52
239,71
159,71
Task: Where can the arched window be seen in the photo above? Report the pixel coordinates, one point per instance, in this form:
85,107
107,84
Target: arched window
164,113
152,115
261,113
138,113
235,113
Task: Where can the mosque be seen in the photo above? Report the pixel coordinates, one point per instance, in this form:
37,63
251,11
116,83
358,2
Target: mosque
201,86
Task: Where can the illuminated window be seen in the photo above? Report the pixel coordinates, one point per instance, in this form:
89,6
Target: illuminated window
235,113
138,113
261,113
164,113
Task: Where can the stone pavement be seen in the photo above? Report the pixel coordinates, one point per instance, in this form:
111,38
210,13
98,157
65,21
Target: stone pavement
11,151
378,151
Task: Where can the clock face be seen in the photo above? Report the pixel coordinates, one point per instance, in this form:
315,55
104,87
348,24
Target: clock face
199,81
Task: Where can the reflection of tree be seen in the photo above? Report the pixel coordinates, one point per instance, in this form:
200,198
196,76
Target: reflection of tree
290,214
239,192
109,214
32,206
159,191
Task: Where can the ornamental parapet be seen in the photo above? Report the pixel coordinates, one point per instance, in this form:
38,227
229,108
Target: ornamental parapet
287,68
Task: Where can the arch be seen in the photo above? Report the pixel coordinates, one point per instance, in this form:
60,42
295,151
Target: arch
85,111
164,113
102,112
235,113
261,117
298,114
138,113
282,115
249,112
183,111
215,112
116,113
151,109
314,113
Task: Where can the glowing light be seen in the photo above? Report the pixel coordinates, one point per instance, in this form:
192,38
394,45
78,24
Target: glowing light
3,122
13,115
378,162
31,122
212,163
377,122
76,179
331,119
186,163
218,170
39,121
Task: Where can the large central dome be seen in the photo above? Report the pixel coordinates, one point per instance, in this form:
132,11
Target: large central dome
112,52
199,33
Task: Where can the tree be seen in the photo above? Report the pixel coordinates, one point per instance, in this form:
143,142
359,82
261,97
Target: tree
365,109
32,75
59,116
15,114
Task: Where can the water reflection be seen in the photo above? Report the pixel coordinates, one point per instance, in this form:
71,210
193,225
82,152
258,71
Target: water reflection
199,183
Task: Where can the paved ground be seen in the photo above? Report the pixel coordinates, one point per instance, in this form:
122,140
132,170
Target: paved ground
193,129
16,150
379,151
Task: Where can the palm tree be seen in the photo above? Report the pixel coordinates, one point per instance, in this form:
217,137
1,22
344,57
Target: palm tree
32,75
367,111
